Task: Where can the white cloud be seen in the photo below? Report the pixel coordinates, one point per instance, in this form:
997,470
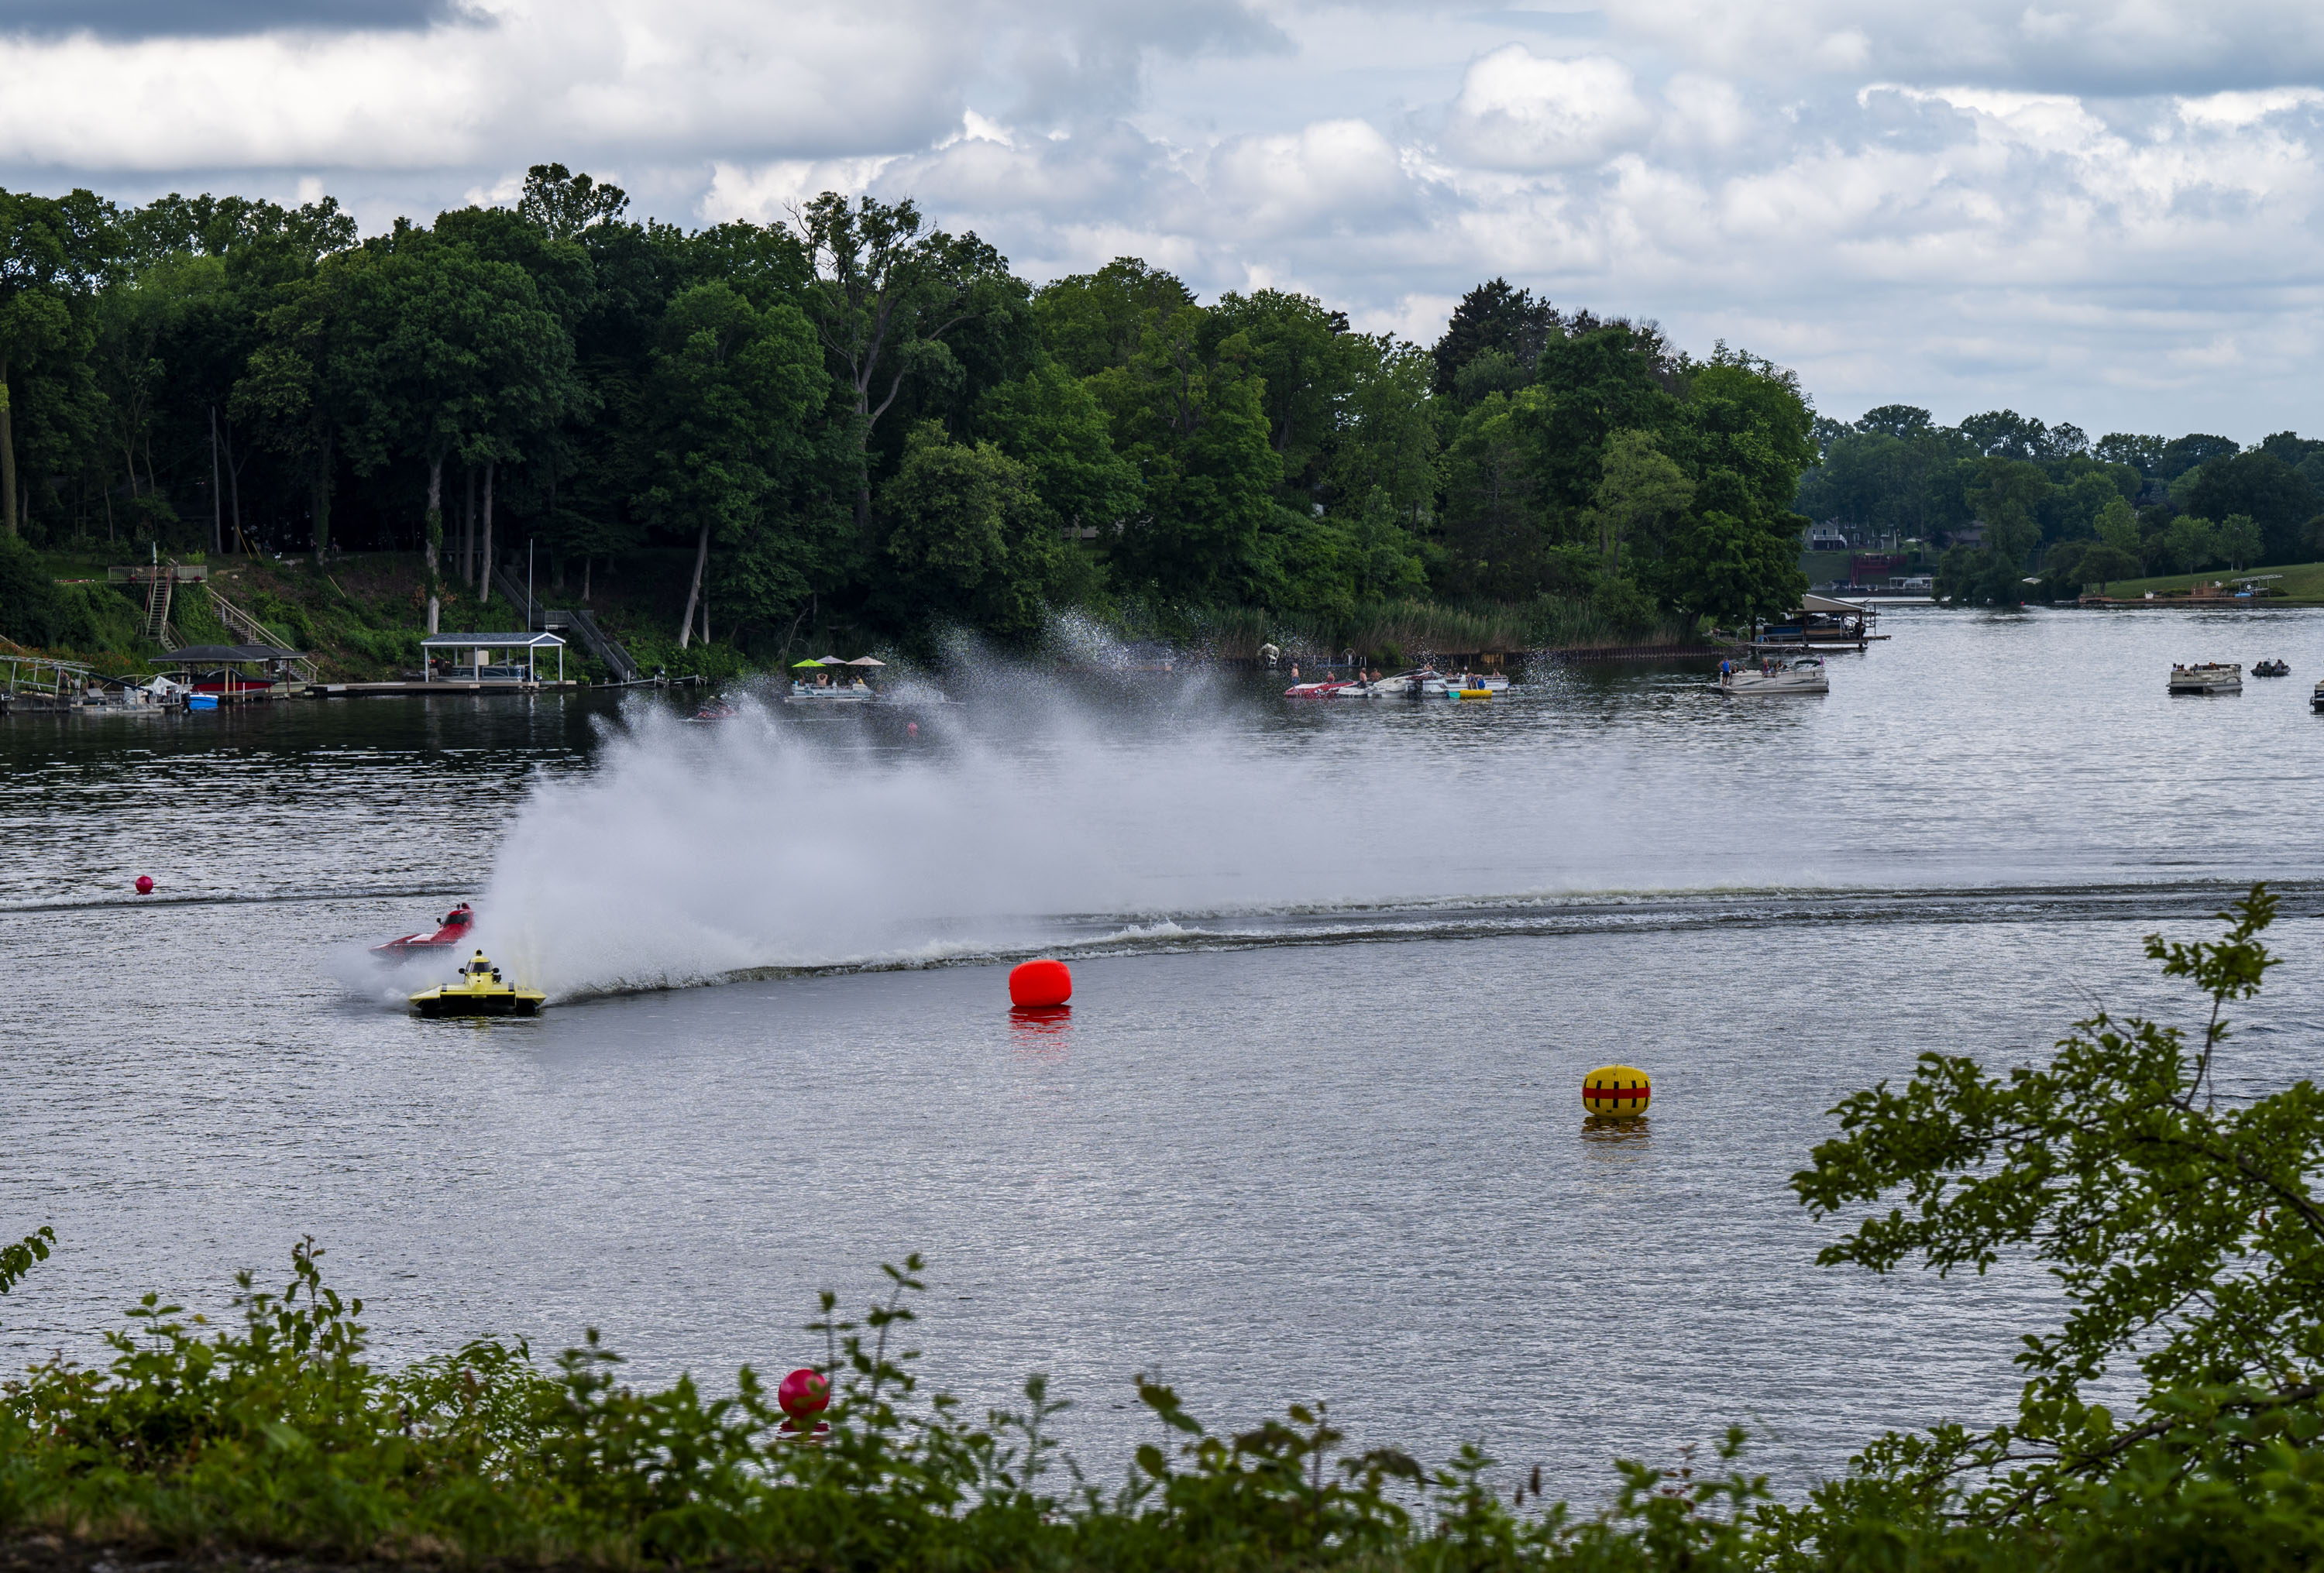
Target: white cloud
2099,209
1335,173
1516,111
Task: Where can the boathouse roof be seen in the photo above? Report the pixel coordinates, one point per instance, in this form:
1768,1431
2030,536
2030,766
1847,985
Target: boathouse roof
491,642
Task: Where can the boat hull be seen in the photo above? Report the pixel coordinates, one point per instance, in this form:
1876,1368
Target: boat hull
1754,685
2225,679
438,1005
405,950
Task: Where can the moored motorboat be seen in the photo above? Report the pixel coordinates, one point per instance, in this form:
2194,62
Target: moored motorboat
2316,700
857,693
1801,675
452,933
2208,678
1313,690
480,991
821,690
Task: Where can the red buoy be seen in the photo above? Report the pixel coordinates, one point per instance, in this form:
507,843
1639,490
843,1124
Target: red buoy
145,884
804,1392
1042,982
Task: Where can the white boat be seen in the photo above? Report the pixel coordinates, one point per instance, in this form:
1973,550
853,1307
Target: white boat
2209,677
1801,675
1462,683
2316,700
856,692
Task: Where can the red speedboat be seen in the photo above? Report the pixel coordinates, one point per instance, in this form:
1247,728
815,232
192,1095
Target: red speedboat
450,935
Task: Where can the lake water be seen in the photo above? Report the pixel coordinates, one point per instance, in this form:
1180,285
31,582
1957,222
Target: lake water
1312,1128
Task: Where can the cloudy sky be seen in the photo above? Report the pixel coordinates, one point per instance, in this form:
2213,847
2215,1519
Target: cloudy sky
2103,211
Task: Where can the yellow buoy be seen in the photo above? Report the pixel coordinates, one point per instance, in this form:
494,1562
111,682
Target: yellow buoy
1616,1089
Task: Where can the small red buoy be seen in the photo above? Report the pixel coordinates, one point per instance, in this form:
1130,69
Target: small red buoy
145,884
911,729
1042,984
804,1392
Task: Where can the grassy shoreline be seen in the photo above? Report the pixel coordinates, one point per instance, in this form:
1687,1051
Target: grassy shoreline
364,616
2302,584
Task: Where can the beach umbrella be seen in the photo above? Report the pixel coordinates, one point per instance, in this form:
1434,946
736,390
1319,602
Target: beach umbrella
866,661
796,665
833,661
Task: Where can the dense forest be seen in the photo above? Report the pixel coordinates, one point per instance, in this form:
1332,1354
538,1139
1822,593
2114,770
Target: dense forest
852,419
2007,498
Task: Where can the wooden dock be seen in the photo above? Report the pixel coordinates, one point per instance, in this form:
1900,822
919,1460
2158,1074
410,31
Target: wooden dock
421,690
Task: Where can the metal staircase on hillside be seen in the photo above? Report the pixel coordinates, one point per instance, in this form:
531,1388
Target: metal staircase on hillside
157,610
250,631
505,581
558,620
604,647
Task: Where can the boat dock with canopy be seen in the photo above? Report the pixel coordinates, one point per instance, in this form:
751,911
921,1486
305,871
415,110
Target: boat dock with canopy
469,661
1823,623
238,673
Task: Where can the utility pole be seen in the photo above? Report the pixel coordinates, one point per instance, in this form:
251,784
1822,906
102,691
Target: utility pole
218,519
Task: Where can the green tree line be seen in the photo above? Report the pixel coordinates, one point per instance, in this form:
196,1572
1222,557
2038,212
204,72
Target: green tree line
2054,506
853,415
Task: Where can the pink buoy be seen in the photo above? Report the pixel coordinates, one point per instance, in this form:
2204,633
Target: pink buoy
804,1392
145,884
1042,984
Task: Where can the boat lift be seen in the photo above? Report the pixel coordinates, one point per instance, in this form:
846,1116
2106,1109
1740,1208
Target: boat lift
1821,622
37,682
477,670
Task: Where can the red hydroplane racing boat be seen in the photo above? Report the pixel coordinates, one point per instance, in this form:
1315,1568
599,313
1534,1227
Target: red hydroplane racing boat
452,935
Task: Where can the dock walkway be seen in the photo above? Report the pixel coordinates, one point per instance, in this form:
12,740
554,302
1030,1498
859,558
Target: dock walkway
440,685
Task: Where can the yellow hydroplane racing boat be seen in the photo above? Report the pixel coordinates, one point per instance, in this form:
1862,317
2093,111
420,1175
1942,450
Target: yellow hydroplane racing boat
479,992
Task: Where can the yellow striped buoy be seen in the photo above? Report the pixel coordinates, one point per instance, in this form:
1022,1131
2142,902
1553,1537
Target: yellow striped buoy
1616,1089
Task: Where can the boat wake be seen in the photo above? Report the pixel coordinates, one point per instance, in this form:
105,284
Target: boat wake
1658,912
753,850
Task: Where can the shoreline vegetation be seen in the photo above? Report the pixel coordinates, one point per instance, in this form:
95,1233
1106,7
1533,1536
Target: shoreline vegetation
2181,1223
2005,509
364,616
746,443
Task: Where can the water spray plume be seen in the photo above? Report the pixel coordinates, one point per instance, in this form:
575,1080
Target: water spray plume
694,854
